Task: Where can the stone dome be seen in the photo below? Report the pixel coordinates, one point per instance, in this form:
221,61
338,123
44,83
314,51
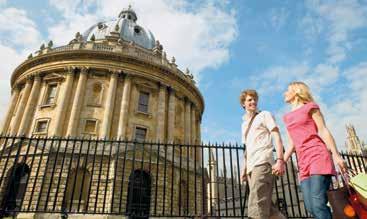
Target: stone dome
126,26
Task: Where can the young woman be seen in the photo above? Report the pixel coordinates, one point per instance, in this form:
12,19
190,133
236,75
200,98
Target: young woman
313,142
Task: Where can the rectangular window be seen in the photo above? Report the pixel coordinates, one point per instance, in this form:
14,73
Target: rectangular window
140,133
143,102
41,126
90,126
51,94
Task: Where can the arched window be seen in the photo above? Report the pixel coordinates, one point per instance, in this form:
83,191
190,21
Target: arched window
16,186
138,196
77,190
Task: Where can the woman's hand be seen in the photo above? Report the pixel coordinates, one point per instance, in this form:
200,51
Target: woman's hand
341,163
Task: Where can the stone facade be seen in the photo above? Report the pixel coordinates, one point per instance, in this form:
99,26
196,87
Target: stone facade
109,89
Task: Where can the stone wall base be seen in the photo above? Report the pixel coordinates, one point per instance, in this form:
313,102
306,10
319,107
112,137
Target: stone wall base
70,216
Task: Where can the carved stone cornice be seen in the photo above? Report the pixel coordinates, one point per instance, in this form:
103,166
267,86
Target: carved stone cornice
171,90
29,78
84,69
37,77
116,60
116,72
162,85
70,69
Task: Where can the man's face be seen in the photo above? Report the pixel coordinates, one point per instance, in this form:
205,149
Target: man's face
250,103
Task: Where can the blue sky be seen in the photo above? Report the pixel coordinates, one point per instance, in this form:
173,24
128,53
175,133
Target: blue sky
228,45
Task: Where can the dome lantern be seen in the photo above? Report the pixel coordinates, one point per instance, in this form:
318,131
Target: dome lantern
125,24
129,14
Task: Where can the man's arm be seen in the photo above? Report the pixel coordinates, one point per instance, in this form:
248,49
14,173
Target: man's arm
244,169
279,167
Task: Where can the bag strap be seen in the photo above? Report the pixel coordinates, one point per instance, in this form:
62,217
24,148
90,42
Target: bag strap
249,125
248,129
346,179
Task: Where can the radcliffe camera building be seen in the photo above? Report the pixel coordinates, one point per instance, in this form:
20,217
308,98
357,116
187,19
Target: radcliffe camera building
114,81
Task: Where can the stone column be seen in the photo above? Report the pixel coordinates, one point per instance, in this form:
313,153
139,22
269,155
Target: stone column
62,105
122,126
77,102
30,107
161,114
198,134
171,116
187,121
10,111
193,125
193,130
21,105
109,106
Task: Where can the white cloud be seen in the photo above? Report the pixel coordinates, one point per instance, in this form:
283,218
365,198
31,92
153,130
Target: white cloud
18,37
64,31
339,19
312,26
276,78
17,30
198,35
9,60
71,7
351,107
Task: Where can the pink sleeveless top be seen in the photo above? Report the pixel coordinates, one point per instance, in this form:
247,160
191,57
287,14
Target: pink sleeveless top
313,156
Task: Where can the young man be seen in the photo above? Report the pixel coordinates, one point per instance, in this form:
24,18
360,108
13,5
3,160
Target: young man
258,131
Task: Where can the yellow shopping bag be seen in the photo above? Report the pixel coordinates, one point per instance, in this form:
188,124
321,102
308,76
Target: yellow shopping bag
359,183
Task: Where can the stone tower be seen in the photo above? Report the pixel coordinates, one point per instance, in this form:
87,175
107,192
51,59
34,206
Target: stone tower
353,144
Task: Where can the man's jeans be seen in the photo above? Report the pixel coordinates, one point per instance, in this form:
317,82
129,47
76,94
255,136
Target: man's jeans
314,191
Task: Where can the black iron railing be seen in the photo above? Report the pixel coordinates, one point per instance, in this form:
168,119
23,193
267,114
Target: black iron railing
138,179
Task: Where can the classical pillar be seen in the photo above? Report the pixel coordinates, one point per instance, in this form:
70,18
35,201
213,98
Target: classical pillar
198,136
193,130
161,115
10,111
121,133
62,105
30,107
21,105
171,115
193,125
77,102
187,121
109,106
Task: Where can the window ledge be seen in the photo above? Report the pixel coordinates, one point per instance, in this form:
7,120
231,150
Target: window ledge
94,105
52,105
149,115
39,133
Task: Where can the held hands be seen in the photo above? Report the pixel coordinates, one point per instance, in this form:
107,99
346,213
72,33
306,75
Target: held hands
278,168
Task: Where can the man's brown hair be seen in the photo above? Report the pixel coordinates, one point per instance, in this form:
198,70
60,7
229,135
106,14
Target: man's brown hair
248,92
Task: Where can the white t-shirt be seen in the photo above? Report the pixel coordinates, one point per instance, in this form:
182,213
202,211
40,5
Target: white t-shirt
259,147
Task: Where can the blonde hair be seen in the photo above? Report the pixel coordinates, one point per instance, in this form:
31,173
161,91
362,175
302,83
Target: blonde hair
302,91
248,92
